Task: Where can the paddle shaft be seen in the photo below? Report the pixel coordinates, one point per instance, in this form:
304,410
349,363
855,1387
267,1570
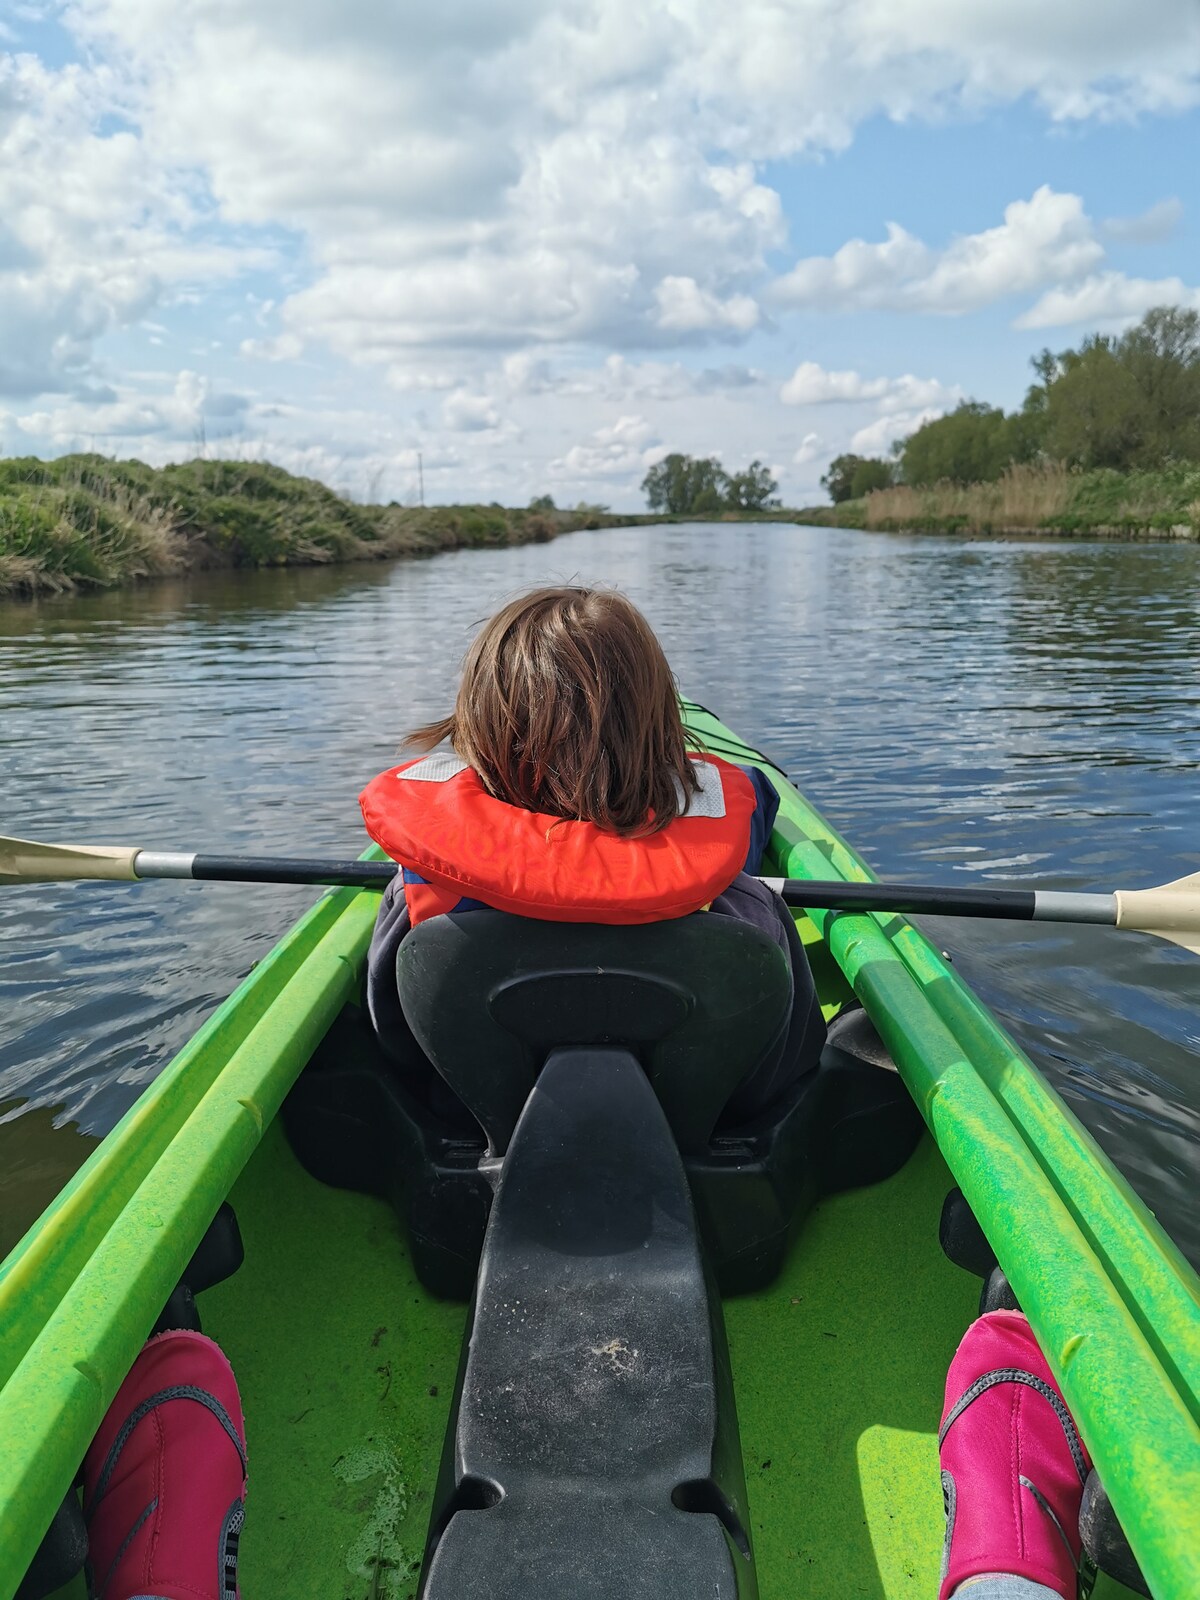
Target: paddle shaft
1021,905
264,869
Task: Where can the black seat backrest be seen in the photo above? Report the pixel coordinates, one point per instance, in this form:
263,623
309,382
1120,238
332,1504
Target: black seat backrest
700,1001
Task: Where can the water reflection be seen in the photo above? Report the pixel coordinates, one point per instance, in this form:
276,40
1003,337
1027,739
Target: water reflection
39,1152
966,711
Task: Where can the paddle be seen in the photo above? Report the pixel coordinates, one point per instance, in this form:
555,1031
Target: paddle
1169,912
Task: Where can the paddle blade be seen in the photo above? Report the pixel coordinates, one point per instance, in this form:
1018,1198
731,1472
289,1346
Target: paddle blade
25,861
1170,912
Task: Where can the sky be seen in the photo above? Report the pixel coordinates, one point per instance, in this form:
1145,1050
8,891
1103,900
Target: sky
538,244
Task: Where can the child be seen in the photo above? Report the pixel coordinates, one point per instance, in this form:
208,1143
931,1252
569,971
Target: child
571,795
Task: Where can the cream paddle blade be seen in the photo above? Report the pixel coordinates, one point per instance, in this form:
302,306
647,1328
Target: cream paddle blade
24,861
1170,912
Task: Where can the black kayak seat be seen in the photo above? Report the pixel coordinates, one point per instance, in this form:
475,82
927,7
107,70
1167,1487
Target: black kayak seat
593,1447
700,1001
357,1120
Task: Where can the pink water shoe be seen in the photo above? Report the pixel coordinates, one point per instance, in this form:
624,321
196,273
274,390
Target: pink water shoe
1013,1464
165,1477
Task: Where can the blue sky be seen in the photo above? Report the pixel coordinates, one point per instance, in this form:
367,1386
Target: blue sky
943,179
541,244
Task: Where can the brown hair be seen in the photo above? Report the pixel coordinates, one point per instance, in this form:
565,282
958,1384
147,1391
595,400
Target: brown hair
567,706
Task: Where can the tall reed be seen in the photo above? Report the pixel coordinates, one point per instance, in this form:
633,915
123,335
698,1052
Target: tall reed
1025,497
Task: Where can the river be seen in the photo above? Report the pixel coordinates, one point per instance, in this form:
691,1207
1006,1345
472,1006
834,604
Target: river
965,712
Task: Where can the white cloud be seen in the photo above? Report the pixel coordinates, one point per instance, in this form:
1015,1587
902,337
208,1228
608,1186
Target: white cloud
406,381
684,307
463,412
612,454
189,411
1152,226
282,347
1046,243
1107,297
859,274
514,172
812,385
811,448
877,438
94,226
795,77
619,380
1046,239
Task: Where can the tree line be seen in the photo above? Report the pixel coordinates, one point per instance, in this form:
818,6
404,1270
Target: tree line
1124,401
694,485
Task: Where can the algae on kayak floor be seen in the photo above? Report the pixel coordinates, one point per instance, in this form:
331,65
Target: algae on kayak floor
359,1366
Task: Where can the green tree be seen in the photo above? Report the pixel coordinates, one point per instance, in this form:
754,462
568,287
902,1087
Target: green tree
708,500
752,490
659,484
1024,436
849,477
682,484
1125,402
542,502
835,480
697,485
676,482
968,445
1162,355
1096,415
871,473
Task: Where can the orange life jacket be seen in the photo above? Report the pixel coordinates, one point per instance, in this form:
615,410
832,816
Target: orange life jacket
434,816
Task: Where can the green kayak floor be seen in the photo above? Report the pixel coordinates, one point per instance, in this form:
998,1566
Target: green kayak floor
840,1368
347,1368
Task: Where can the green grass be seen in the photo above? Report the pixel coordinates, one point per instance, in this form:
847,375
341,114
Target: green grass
86,521
1163,503
1136,501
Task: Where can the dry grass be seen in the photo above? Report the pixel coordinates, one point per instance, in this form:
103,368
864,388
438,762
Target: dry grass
1023,498
1042,499
1047,498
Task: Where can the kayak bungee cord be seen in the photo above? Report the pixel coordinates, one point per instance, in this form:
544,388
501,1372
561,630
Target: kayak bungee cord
732,751
1171,911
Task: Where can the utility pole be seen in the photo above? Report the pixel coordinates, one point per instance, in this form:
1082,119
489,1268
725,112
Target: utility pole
421,475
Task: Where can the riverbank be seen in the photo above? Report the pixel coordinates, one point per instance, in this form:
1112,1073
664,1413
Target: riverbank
1035,501
84,521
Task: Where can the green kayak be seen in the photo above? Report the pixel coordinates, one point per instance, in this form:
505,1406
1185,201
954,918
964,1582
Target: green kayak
700,1360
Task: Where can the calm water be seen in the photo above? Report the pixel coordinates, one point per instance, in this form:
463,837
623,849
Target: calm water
967,713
